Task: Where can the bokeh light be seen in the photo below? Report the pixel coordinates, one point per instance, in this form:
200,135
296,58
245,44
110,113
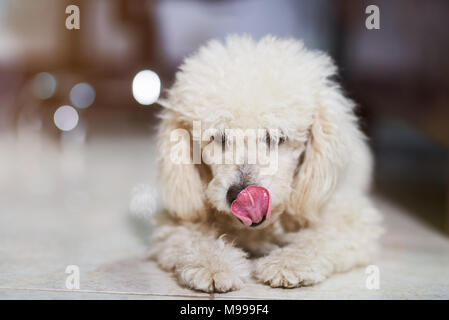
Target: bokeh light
82,95
66,118
44,85
146,87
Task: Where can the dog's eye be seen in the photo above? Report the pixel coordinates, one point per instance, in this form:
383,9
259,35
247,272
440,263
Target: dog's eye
270,140
220,139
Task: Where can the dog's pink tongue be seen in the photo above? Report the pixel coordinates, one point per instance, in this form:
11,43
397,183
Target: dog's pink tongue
252,205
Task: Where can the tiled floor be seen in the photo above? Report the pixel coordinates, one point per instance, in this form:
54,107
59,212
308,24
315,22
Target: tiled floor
67,205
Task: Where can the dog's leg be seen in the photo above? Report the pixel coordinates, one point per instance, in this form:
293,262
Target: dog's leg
345,236
199,259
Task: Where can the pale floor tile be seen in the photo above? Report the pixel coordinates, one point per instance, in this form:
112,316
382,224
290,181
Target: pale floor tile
37,294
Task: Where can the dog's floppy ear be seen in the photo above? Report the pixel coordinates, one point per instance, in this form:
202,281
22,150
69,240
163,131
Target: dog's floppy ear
182,190
326,153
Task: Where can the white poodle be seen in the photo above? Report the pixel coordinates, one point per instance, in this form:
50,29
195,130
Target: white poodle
305,213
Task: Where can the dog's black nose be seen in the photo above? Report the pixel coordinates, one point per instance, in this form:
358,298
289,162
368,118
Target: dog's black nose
233,192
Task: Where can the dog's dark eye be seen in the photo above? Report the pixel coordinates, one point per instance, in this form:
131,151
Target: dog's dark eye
220,138
269,139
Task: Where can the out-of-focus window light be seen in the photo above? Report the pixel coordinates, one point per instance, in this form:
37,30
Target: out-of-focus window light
66,118
146,87
82,95
44,85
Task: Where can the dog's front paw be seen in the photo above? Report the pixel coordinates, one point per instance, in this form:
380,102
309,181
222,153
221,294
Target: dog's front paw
209,280
289,268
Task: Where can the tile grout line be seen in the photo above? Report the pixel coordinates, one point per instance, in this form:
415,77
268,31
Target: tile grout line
103,292
211,296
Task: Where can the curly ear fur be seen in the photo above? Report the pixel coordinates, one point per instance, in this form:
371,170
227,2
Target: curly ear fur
182,189
327,153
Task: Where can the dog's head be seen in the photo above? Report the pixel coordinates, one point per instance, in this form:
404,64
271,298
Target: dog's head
253,130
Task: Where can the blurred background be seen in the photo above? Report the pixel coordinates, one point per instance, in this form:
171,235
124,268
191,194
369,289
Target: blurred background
72,158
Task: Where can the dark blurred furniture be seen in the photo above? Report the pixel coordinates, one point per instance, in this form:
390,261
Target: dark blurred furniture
399,71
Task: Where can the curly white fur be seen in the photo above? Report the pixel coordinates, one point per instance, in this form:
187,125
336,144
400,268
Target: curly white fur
322,220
